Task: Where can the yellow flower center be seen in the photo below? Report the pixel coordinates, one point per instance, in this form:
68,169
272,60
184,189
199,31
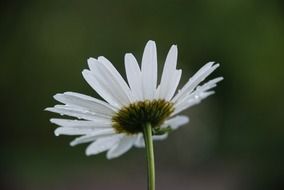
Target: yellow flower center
131,119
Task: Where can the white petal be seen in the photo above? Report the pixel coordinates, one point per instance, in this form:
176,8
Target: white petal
71,123
196,96
102,144
133,74
191,100
102,88
75,112
111,81
160,137
139,142
123,146
149,70
93,136
171,60
206,70
176,122
172,84
170,77
210,84
119,82
72,131
185,105
87,103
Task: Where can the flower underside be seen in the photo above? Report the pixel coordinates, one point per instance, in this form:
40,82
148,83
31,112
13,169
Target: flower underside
131,119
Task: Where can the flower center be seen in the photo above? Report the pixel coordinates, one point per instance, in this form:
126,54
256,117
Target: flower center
131,119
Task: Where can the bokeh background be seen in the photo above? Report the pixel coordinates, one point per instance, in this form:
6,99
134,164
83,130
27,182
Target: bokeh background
235,138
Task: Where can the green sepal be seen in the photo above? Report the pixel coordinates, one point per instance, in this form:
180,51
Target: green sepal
161,131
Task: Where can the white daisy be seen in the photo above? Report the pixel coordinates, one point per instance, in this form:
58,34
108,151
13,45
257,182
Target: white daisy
116,124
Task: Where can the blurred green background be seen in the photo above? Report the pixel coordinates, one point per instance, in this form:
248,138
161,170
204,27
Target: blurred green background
235,139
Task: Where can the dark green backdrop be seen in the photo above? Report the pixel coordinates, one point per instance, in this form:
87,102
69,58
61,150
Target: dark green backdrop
235,138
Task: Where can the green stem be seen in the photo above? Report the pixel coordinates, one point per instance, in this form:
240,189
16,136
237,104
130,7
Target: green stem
147,133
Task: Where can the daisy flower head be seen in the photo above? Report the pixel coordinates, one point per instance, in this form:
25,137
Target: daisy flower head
116,123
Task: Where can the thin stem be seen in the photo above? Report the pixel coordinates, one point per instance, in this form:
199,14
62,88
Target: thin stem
147,132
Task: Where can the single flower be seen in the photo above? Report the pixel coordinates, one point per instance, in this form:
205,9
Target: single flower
116,124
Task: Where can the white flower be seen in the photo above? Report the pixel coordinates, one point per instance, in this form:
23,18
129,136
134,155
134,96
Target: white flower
116,125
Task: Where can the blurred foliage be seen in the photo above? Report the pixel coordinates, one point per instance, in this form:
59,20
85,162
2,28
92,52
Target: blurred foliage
44,47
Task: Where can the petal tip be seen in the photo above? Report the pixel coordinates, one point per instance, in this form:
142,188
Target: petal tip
48,109
72,143
109,157
57,96
217,65
86,73
90,59
186,120
151,43
56,134
220,78
174,47
88,152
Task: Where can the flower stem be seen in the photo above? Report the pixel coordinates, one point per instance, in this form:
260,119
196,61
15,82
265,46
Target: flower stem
147,133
